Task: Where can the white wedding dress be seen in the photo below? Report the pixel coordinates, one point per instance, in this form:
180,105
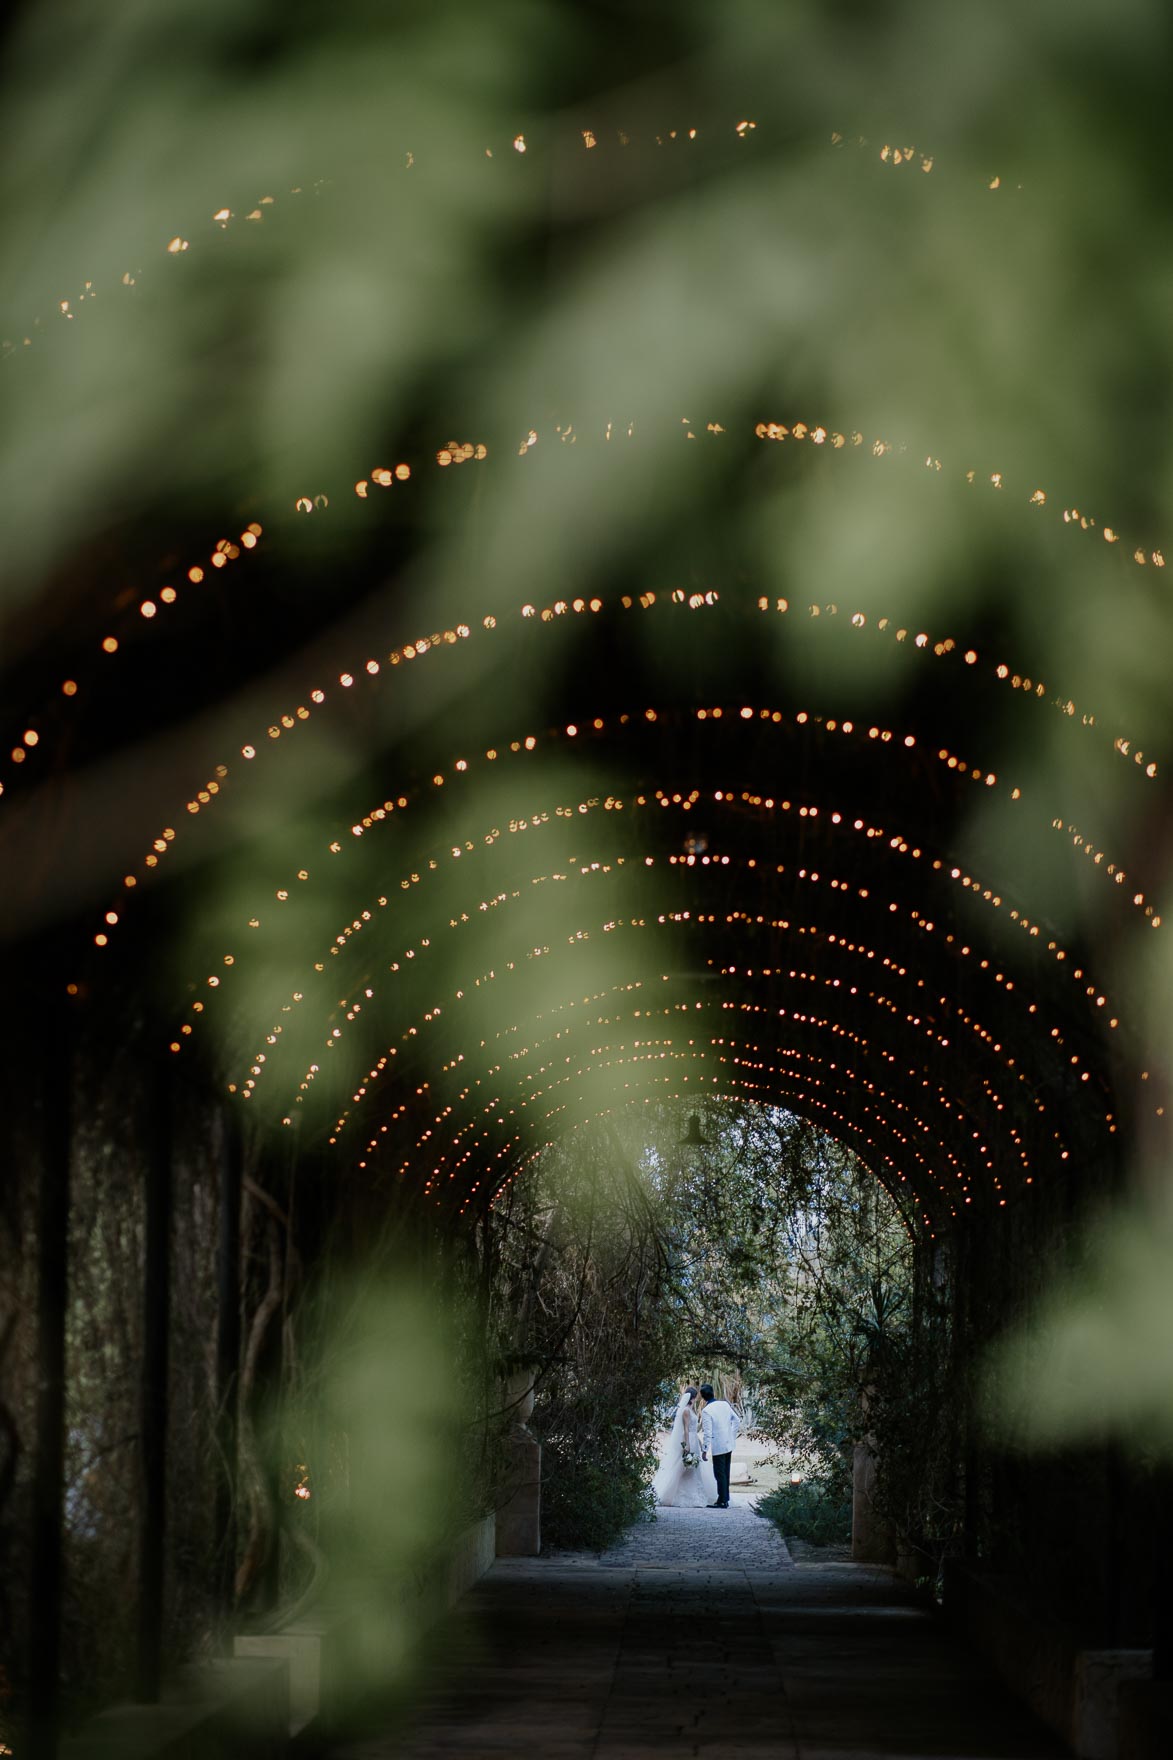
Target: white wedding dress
676,1485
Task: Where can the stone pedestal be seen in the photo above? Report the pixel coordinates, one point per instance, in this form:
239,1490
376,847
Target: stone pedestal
519,1519
1101,1702
325,1649
209,1711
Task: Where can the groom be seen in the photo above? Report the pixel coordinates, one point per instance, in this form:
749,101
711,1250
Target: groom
719,1427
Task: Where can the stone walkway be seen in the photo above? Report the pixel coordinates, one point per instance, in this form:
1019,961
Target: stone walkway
733,1538
669,1646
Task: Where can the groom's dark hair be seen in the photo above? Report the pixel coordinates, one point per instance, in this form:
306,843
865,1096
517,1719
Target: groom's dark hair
707,1393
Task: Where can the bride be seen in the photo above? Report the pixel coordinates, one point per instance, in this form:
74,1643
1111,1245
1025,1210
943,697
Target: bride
676,1483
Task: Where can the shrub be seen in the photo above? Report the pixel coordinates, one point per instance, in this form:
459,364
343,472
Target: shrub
588,1504
817,1511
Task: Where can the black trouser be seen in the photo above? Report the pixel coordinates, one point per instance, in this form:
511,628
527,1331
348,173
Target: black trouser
721,1474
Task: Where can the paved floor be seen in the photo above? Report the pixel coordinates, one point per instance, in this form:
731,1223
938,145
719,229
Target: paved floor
681,1643
729,1539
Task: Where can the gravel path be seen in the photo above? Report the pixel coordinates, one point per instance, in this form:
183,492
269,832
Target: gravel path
733,1539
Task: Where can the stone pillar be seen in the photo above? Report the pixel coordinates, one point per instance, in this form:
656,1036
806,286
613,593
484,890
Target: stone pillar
519,1520
154,1387
872,1540
48,1485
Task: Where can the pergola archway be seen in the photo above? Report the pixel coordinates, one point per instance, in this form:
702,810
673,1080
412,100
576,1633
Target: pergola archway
416,891
819,891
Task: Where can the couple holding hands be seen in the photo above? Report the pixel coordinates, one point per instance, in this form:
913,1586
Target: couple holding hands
703,1430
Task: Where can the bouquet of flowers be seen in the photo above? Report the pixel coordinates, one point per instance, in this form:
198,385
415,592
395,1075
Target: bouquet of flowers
690,1459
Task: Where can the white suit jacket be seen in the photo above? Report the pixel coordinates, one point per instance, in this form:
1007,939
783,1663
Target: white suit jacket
719,1426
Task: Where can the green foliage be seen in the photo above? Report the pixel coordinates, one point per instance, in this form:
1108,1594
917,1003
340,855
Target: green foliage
817,1510
1095,1354
794,1282
588,1500
916,1410
574,1285
770,1262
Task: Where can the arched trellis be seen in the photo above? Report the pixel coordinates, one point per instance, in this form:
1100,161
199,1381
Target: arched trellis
978,777
32,742
917,1147
842,949
864,1004
892,743
360,930
871,1002
842,815
857,840
585,1114
888,1151
789,435
372,674
752,870
869,1081
835,845
912,973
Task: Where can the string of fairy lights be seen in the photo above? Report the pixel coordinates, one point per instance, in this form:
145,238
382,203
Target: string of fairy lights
456,452
805,1102
743,1063
529,744
731,918
662,1048
485,904
569,808
525,1077
580,935
524,1091
497,1105
802,1099
66,310
819,435
776,1093
836,825
372,671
